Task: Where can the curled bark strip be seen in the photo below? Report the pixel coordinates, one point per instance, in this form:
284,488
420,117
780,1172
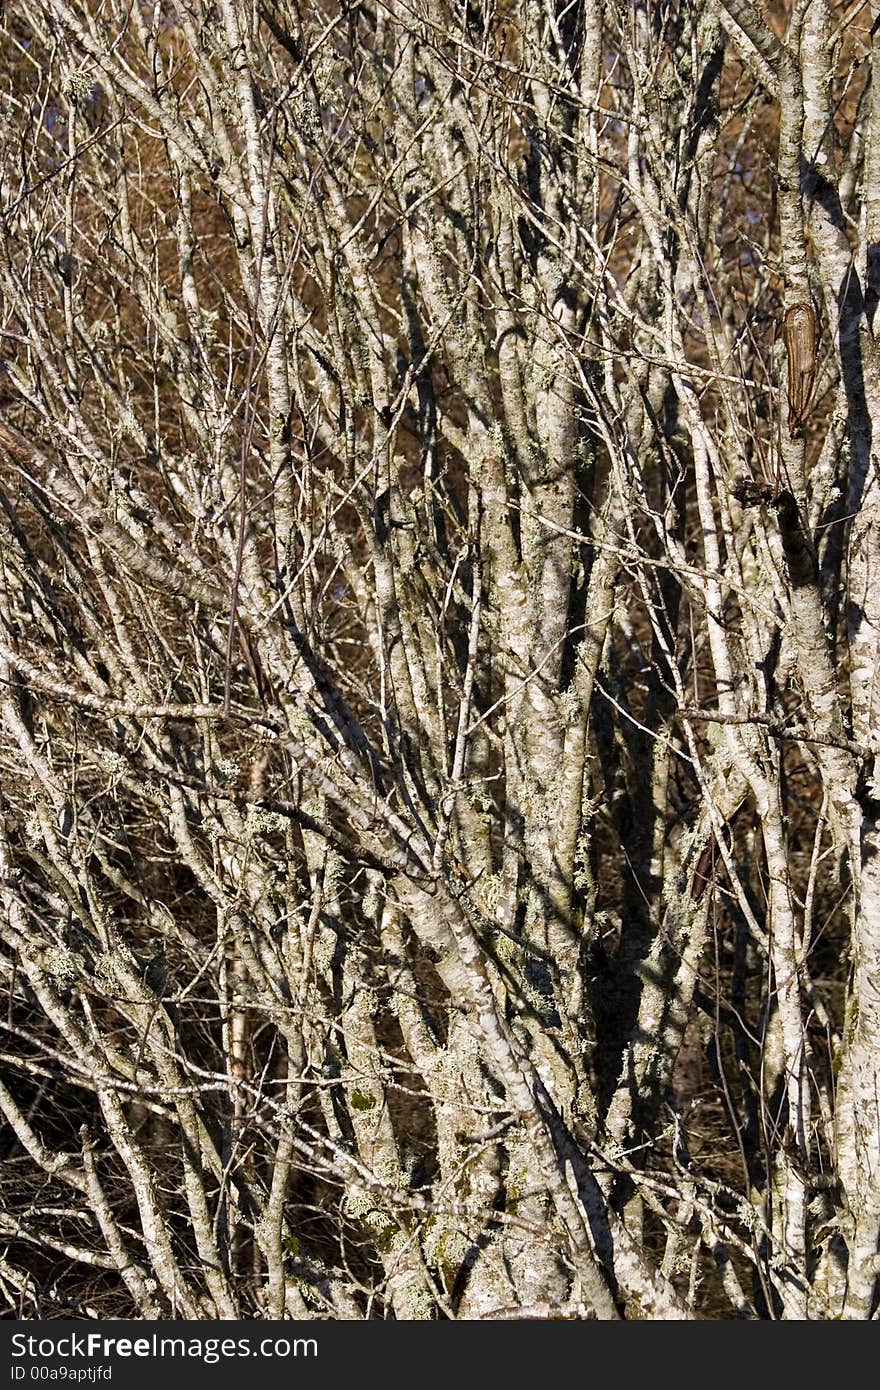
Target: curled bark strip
800,332
704,870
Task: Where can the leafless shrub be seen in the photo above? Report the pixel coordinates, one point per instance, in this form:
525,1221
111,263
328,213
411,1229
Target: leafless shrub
438,816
